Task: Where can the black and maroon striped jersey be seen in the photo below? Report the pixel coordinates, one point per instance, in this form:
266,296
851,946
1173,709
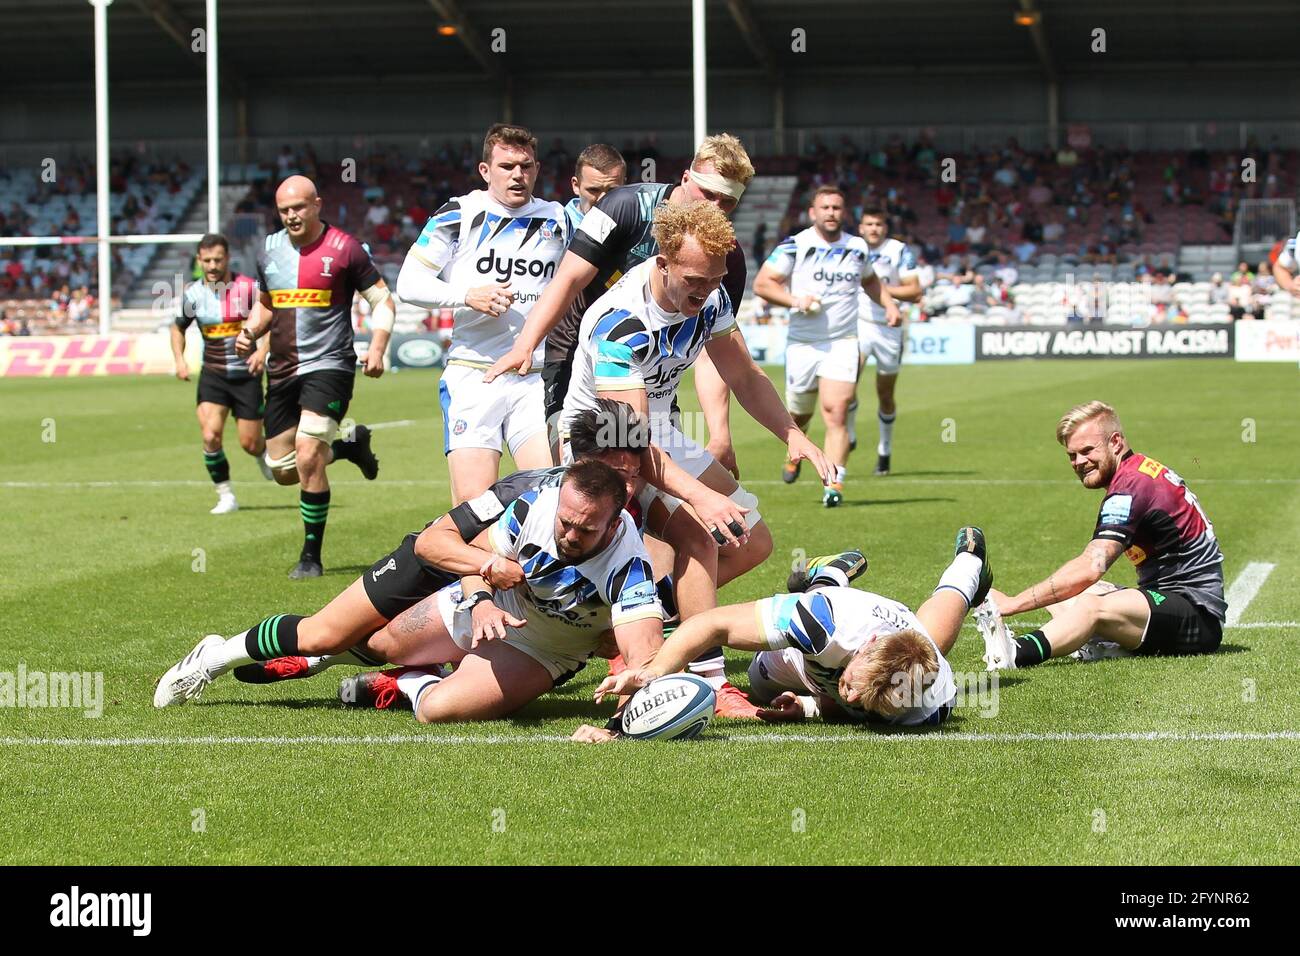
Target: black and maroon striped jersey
220,311
1150,511
311,290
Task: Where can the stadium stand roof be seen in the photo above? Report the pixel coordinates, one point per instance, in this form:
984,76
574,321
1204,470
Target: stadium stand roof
49,41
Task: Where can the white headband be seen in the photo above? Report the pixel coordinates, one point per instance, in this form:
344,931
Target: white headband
716,183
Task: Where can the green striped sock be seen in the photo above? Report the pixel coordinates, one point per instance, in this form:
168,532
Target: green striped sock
275,637
218,467
315,509
1032,648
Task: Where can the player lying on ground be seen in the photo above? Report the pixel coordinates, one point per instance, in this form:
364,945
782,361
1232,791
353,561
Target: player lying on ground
219,302
396,587
612,433
567,565
1149,514
832,650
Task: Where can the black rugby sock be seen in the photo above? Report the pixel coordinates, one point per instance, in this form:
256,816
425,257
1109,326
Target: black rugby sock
315,508
218,467
1032,648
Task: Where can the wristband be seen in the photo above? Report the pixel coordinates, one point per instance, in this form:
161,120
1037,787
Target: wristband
810,707
474,600
615,725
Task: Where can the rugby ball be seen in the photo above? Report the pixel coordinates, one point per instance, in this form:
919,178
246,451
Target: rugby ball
676,707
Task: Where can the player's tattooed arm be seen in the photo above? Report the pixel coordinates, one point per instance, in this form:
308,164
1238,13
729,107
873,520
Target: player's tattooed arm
1069,580
442,546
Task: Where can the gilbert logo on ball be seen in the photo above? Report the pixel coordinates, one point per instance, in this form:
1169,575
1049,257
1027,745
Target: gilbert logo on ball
676,707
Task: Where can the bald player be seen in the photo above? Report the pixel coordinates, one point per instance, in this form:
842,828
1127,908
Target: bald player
308,274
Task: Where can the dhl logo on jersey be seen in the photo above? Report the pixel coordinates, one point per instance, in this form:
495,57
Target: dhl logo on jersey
222,330
299,298
1151,468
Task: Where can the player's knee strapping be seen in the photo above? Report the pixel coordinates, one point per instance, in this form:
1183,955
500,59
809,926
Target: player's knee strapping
745,499
800,403
287,465
321,427
275,637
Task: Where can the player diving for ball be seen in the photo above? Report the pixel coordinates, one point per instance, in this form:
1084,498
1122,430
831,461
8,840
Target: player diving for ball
833,651
567,564
395,611
1148,513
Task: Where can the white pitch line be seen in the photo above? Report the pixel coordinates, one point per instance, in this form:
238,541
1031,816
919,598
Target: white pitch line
757,482
379,426
864,737
1254,624
1245,587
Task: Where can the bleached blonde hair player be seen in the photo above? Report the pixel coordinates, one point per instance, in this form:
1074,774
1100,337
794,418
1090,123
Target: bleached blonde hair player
1148,513
830,650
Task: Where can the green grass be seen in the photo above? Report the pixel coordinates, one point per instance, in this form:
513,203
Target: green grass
100,578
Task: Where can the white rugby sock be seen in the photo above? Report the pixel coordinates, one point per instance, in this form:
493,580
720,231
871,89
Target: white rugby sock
963,576
233,653
712,672
224,489
413,684
886,432
840,472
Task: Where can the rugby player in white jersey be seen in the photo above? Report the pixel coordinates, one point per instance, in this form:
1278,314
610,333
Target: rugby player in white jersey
488,255
879,336
833,651
817,274
635,344
566,566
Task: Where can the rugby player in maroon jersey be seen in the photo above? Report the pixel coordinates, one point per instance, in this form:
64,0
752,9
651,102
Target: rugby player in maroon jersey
1148,513
219,302
308,274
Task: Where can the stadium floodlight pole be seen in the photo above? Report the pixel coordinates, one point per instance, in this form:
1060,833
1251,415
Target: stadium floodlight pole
101,166
214,170
698,64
